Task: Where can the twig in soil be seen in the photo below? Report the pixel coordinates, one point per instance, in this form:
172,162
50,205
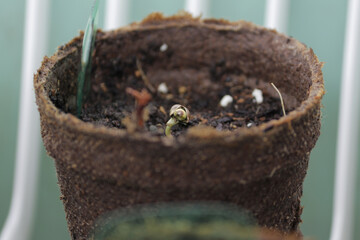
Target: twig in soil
142,99
281,99
178,113
144,77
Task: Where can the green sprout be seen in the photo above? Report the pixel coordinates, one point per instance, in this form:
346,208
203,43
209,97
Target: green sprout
178,114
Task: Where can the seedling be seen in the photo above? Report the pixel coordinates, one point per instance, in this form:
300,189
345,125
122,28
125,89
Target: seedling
178,114
142,99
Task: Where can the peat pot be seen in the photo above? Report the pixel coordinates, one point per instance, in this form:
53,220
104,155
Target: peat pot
243,152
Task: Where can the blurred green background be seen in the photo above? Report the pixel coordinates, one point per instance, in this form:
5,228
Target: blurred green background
319,24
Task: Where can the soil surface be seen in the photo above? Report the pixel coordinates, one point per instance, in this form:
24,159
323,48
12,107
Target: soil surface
111,105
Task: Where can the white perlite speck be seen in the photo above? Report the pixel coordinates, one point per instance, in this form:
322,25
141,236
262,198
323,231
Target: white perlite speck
163,47
249,124
162,88
257,94
226,100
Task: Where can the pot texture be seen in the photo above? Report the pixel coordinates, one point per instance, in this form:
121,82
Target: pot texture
261,169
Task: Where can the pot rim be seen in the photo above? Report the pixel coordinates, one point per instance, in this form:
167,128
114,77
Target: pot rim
70,121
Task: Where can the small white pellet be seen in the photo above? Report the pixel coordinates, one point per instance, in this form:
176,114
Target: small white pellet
162,88
163,47
226,100
257,94
249,124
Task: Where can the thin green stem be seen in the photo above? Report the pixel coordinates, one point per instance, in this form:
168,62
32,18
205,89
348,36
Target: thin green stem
172,122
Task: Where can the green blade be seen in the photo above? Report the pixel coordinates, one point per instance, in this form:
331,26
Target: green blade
83,84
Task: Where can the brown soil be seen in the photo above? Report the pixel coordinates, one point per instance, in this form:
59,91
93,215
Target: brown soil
109,109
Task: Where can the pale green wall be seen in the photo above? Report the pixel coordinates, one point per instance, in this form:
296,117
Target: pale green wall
320,24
